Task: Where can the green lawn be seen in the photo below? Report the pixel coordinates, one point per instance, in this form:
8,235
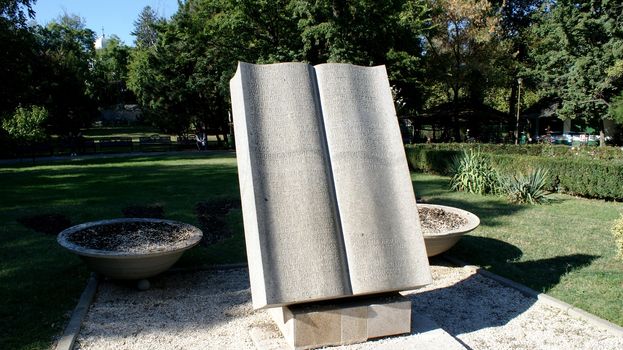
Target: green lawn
39,281
134,131
563,248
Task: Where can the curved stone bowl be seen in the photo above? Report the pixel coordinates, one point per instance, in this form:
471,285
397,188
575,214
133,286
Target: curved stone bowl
441,242
129,266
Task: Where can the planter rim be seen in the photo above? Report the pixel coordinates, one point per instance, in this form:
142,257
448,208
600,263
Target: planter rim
63,240
472,221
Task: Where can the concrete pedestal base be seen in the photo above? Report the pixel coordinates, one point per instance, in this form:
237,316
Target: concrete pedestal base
425,334
344,321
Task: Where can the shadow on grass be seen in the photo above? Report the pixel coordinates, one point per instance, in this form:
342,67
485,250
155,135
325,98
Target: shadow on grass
94,188
430,187
503,259
40,281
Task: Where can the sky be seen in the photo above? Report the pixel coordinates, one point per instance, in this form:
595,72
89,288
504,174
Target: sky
115,16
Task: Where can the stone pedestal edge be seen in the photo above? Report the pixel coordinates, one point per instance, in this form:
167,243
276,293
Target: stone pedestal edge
67,340
343,321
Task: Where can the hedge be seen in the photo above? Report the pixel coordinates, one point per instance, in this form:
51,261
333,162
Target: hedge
545,150
576,175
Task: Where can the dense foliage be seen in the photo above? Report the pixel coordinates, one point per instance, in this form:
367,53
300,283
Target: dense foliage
544,149
439,53
577,55
183,79
110,73
48,66
569,173
145,28
55,66
66,52
26,124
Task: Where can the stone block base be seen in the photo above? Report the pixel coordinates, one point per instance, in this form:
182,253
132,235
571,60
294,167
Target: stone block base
343,321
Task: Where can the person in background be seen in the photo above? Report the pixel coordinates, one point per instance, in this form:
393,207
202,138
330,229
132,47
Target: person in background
200,137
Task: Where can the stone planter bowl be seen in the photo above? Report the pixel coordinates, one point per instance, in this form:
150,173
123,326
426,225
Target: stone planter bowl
441,242
129,266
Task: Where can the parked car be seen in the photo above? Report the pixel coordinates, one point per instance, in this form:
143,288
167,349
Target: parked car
556,138
570,138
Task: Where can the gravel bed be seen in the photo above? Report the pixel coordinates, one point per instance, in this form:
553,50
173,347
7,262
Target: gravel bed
436,220
212,310
133,237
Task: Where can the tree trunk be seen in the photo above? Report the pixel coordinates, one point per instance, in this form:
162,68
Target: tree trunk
602,133
512,99
454,131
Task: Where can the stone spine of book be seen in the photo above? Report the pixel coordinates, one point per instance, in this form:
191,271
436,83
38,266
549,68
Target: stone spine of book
328,204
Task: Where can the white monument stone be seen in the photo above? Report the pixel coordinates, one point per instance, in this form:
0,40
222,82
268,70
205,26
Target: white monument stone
328,204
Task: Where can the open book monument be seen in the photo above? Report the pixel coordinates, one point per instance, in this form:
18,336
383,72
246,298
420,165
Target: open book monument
328,206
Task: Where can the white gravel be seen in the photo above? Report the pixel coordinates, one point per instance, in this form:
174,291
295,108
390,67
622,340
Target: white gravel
212,310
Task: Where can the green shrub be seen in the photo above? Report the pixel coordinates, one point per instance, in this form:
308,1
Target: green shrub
581,177
576,175
545,150
473,173
26,124
617,231
529,188
430,160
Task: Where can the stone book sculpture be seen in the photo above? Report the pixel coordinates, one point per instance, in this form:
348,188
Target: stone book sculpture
327,199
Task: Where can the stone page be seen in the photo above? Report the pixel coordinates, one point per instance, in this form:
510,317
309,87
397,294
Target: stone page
294,248
384,246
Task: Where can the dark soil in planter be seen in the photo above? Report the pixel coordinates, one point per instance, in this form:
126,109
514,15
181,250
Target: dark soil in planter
49,223
155,211
212,219
436,220
132,237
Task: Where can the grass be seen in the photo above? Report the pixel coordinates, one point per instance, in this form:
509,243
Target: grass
563,248
133,131
39,281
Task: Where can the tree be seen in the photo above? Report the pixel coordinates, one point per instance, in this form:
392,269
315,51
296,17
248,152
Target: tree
66,53
464,48
369,33
466,58
516,19
18,54
27,124
145,28
110,73
615,109
184,78
577,55
16,12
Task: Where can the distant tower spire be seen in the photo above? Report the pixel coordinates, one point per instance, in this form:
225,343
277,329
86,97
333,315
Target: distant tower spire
101,41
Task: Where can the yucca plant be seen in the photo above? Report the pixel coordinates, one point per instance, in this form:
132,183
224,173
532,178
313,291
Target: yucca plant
617,232
529,188
473,173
